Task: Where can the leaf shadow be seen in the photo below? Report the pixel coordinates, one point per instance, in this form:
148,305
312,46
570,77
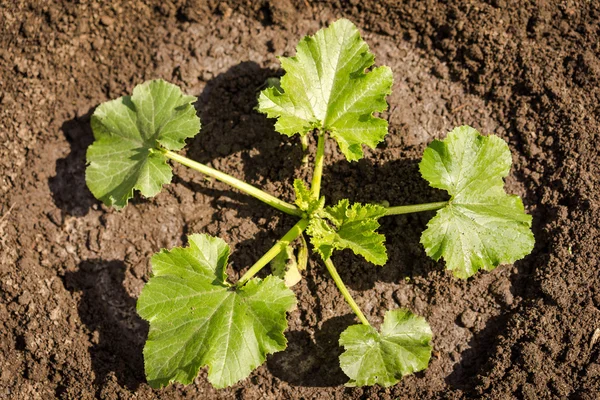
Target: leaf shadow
248,251
234,136
471,373
312,363
397,182
231,126
68,187
108,311
474,361
243,205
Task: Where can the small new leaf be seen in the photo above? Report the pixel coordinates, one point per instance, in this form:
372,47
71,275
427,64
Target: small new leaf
401,348
304,199
303,195
197,318
350,227
129,132
326,87
482,226
302,257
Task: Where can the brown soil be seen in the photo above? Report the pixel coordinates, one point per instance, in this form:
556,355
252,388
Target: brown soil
70,269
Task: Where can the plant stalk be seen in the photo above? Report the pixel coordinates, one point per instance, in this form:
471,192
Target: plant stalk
340,285
304,142
315,186
397,210
281,244
236,183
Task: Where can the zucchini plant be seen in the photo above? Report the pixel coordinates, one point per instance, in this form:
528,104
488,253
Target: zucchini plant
199,317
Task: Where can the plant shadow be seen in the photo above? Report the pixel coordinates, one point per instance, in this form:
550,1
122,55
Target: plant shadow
312,363
68,187
474,362
397,182
248,251
237,139
234,138
108,311
477,362
231,126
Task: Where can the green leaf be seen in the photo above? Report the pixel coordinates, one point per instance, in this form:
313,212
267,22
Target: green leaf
304,199
350,227
342,213
326,87
302,257
129,132
402,348
303,195
197,318
482,226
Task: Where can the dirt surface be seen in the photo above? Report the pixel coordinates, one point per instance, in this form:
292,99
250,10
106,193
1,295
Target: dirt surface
71,269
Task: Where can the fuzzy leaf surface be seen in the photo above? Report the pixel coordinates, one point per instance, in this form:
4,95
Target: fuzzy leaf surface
482,226
304,199
128,132
325,86
401,348
196,318
349,227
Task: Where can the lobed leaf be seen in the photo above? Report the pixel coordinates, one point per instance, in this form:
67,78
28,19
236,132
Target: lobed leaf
482,226
326,87
351,227
342,213
401,348
196,318
129,133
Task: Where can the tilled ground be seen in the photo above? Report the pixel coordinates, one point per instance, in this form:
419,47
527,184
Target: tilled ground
71,270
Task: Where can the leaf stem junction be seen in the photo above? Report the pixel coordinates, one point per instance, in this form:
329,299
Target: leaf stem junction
281,244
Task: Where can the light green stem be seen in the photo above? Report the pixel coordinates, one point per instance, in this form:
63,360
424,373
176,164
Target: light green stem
315,186
281,244
340,285
236,183
304,142
415,208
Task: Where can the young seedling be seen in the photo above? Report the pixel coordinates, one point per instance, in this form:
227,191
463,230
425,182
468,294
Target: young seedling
198,318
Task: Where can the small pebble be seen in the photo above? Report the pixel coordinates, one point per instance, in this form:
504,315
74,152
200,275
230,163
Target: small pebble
97,43
55,314
401,297
25,298
467,318
106,20
502,291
